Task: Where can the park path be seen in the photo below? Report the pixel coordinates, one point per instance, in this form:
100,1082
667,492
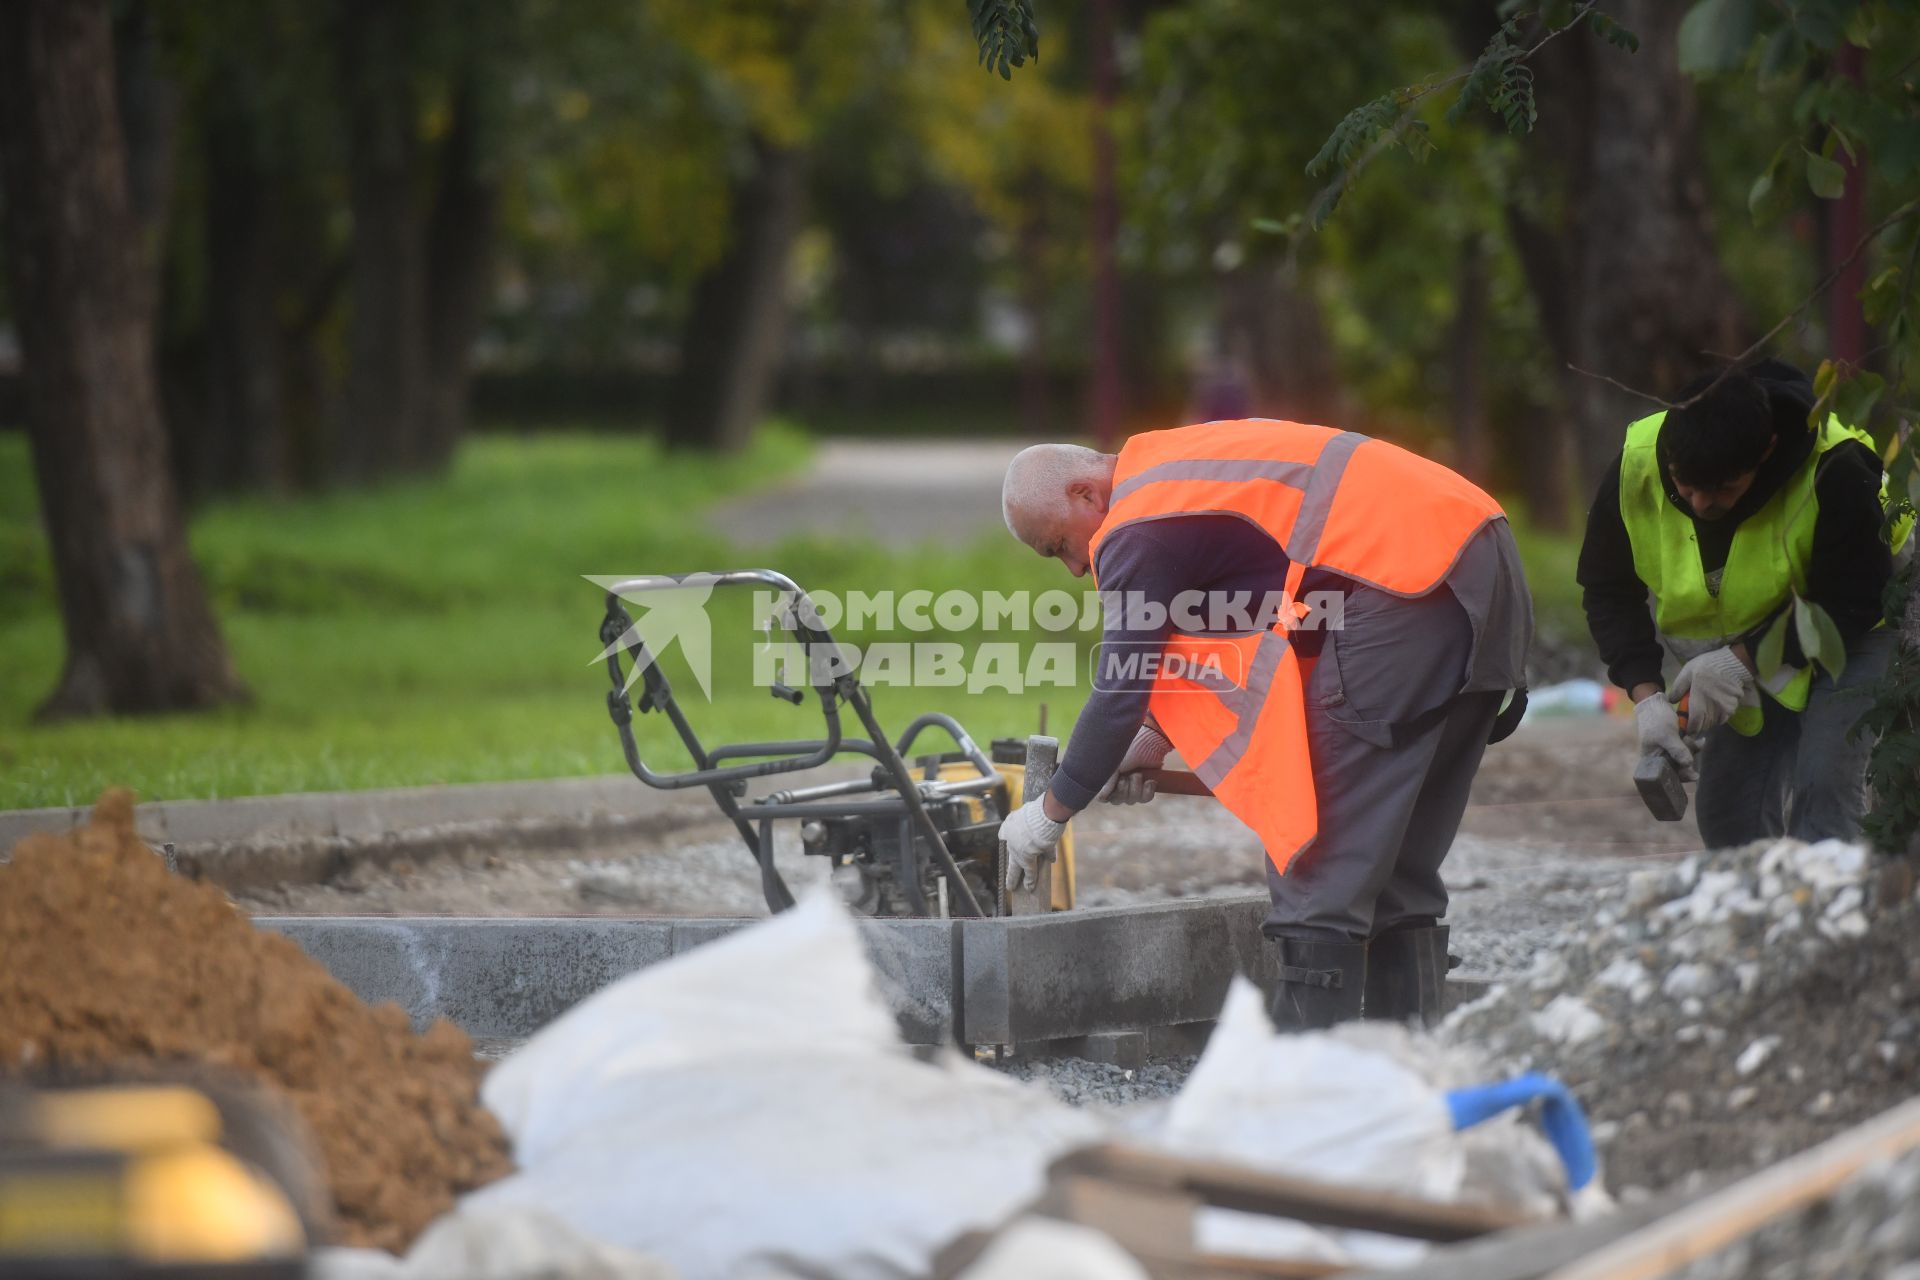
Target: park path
902,492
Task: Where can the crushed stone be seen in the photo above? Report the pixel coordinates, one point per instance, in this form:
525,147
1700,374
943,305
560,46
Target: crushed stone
1101,1085
113,963
1720,1013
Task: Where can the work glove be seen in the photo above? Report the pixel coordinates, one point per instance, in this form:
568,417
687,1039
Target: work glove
1128,785
1659,725
1715,684
1028,832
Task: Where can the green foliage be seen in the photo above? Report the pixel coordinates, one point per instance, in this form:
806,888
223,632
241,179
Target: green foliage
1717,34
1893,722
1498,79
1771,654
1769,196
1825,178
1216,141
1609,29
1007,34
1487,77
1358,130
1819,638
1501,79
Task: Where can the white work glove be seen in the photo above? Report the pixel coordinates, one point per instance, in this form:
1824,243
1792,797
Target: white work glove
1128,785
1659,726
1715,684
1028,832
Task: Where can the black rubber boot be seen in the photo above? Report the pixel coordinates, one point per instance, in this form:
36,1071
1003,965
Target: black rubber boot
1407,975
1321,983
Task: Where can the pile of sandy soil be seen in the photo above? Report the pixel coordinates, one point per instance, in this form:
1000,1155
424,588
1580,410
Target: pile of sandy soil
110,960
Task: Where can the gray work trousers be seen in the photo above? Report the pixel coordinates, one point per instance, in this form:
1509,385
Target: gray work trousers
1804,774
1389,803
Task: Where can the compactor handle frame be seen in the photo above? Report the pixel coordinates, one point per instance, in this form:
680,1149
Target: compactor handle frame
728,782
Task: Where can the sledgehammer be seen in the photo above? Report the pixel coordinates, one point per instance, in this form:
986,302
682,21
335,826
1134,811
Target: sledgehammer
1659,782
1174,782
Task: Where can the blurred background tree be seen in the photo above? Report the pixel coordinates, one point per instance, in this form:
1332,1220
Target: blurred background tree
372,229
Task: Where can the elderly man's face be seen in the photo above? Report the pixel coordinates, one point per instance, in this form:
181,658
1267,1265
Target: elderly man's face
1063,530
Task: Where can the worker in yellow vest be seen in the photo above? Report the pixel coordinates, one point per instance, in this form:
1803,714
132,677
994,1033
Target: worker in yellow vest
1717,514
1324,626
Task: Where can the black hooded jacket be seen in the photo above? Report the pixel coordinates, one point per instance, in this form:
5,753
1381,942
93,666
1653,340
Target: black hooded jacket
1847,573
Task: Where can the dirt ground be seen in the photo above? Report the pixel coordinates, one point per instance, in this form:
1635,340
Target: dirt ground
1553,815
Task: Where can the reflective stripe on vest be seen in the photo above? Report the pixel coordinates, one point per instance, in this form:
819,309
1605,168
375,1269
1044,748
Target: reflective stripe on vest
1338,500
1768,555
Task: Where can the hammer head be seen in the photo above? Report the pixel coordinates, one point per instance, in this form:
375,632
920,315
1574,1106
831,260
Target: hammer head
1660,787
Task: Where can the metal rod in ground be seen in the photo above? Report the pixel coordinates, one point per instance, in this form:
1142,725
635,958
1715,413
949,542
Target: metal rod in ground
1043,757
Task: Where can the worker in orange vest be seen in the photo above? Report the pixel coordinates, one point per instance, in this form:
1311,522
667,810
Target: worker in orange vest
1332,623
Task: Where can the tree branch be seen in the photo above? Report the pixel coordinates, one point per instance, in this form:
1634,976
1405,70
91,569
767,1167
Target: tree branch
1388,137
1826,282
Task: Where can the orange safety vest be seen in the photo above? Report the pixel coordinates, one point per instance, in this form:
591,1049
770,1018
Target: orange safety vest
1336,500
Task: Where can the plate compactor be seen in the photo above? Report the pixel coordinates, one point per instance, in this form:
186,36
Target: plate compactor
917,835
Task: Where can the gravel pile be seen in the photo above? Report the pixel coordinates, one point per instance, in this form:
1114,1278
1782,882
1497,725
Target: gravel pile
1869,1230
1721,1013
1081,1083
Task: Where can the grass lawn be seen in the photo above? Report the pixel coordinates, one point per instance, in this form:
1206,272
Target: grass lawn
441,631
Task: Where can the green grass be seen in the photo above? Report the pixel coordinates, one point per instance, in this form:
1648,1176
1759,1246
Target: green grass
1550,559
441,632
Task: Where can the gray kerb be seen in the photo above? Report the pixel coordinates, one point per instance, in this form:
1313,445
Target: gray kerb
1018,980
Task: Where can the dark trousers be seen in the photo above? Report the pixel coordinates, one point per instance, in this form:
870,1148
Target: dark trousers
1389,804
1805,773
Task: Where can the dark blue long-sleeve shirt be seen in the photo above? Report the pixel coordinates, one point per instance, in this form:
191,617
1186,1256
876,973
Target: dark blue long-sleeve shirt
1156,561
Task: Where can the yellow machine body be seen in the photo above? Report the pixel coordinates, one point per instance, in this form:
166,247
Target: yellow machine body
134,1177
1016,778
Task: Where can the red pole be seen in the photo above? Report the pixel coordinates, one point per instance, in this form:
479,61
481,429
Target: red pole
1846,222
1107,389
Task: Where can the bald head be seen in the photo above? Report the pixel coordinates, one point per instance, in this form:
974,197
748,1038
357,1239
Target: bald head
1055,496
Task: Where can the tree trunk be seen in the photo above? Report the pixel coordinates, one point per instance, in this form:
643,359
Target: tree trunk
141,635
149,112
730,348
1466,350
1655,305
1846,220
1109,391
1626,280
244,425
1036,411
1273,328
459,272
382,403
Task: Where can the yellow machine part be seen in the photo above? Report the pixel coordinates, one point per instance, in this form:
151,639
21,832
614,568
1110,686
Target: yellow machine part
1016,776
201,1204
137,1172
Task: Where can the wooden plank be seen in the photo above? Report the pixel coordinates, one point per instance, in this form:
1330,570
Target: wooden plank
1152,1223
1233,1186
1156,1225
1527,1253
1717,1220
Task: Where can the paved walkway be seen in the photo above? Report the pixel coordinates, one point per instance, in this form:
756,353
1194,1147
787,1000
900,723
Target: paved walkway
899,491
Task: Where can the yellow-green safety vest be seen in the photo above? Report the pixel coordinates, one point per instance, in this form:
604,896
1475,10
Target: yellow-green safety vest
1767,561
